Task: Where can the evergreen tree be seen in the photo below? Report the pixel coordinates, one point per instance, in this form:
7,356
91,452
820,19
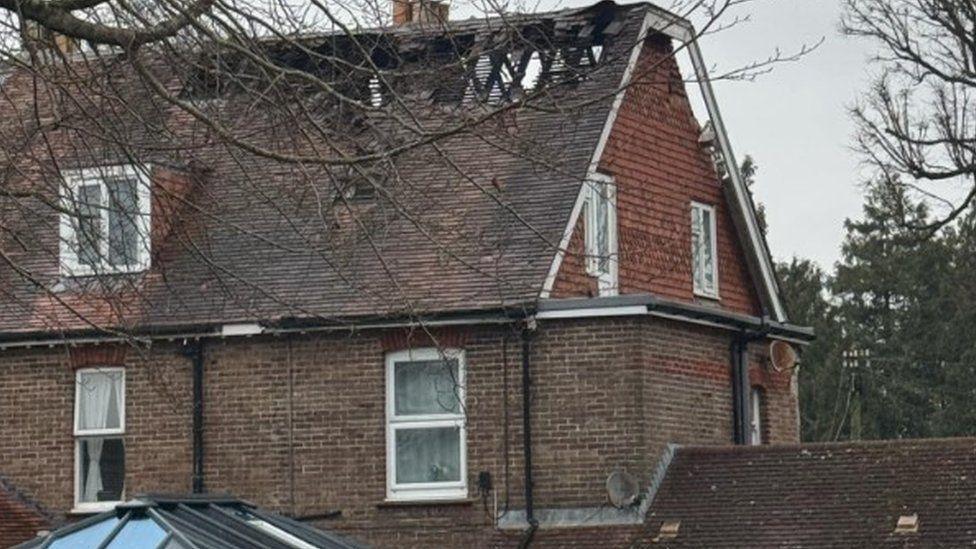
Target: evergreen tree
822,381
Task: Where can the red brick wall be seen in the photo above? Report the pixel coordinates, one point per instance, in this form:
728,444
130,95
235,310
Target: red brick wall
607,394
659,169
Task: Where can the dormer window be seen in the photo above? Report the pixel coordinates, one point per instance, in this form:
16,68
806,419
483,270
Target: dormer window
105,221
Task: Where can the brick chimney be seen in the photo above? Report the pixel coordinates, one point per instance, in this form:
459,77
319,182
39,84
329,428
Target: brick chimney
419,11
37,38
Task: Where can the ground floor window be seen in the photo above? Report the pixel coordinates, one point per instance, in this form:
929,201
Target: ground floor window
99,443
425,424
756,406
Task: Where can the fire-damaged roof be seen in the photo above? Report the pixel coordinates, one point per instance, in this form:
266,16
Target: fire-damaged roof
904,493
471,221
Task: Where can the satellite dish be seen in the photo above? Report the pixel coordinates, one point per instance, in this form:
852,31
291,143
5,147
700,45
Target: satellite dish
622,489
782,355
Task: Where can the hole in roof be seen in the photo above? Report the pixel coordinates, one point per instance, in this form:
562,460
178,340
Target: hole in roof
478,80
596,51
533,70
375,91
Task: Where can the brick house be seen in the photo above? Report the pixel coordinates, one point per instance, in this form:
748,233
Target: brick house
604,297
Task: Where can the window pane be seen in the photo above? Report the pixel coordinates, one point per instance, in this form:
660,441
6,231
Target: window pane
696,248
100,400
101,469
123,230
88,229
756,417
138,532
426,387
90,536
428,455
602,229
708,259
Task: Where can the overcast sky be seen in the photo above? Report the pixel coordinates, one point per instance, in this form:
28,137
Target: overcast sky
792,121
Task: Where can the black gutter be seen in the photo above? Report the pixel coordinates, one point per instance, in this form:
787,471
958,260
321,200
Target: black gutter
738,349
527,432
194,351
213,329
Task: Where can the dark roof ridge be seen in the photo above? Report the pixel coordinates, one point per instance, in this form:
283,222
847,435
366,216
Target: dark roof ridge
825,445
474,22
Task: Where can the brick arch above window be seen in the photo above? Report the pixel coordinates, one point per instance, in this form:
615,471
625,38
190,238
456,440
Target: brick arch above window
90,356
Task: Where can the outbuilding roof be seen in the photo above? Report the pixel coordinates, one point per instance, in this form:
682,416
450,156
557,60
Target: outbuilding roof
200,522
899,493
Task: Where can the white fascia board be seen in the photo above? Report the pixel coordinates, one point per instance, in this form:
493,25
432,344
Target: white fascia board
591,312
242,329
597,155
743,202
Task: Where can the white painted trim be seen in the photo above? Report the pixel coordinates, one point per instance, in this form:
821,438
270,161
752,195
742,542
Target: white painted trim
713,244
73,179
93,507
243,329
607,281
79,435
99,432
591,172
434,490
593,312
741,193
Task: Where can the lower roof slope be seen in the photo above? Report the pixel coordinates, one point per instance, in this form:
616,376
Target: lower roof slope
820,495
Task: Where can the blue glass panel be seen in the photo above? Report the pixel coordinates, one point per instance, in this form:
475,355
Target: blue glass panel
90,536
138,533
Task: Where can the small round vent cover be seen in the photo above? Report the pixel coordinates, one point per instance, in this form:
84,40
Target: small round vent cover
622,489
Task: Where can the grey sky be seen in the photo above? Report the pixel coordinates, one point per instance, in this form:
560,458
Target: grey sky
794,122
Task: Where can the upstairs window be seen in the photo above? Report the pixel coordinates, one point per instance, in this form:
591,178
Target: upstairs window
600,231
425,425
703,250
99,431
105,221
756,416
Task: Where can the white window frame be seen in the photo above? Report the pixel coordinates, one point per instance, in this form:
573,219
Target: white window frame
755,416
696,263
80,434
430,490
597,187
73,179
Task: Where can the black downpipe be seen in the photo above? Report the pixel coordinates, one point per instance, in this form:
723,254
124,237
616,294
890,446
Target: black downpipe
527,432
194,352
740,389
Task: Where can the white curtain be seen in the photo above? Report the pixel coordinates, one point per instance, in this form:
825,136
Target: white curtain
101,395
93,480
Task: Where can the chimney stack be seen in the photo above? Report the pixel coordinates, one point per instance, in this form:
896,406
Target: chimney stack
419,11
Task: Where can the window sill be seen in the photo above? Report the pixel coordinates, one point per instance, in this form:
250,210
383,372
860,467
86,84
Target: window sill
707,296
397,503
94,508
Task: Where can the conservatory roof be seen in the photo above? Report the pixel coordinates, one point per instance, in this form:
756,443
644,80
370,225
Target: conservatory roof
202,522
